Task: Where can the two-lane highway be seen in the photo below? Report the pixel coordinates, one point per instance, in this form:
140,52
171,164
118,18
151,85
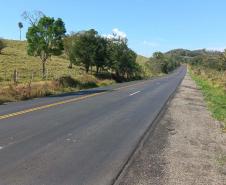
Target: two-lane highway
82,138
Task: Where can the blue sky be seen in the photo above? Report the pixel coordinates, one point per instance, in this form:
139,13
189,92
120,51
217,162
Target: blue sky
150,25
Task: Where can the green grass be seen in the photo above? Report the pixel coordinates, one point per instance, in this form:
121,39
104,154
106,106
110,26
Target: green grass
214,95
147,66
14,57
221,160
141,60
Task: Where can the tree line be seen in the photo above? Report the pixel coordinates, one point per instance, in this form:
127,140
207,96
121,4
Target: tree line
162,63
2,45
209,59
47,37
91,50
88,49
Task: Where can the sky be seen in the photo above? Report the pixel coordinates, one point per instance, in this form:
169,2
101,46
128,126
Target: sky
149,25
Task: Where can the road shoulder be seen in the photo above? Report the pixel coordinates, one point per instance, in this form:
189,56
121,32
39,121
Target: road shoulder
187,146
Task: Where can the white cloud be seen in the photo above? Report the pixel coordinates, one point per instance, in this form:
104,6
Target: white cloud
116,34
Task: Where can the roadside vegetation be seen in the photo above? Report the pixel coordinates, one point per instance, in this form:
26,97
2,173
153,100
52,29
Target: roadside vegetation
214,94
208,69
2,45
159,64
51,62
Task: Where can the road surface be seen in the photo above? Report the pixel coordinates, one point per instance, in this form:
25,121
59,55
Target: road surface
81,138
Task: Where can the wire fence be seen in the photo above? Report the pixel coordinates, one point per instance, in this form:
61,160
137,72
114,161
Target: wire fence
21,76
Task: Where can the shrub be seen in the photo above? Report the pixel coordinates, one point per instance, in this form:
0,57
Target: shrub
67,81
87,85
2,45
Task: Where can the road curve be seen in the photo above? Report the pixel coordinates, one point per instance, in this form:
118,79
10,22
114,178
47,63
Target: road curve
80,138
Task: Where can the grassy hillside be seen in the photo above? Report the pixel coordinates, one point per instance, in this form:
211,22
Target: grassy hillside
14,56
141,60
147,66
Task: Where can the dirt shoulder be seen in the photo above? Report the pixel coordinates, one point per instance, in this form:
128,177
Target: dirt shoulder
186,148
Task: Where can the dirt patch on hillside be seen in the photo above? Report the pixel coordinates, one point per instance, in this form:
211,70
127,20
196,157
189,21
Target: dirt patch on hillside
186,148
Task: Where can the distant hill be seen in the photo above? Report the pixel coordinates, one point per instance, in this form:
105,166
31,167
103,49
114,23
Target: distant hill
179,52
212,59
192,53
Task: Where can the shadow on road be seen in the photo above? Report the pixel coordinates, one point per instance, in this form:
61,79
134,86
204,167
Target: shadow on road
79,93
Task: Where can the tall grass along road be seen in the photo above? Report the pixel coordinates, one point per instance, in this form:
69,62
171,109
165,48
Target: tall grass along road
214,94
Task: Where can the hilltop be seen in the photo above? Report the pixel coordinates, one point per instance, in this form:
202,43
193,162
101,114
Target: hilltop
192,53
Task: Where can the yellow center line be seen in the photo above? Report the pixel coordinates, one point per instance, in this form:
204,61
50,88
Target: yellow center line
46,106
59,103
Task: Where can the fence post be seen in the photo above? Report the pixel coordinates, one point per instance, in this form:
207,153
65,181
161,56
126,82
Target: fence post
15,76
47,72
5,76
32,75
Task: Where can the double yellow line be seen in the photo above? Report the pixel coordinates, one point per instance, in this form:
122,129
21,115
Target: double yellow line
58,103
46,106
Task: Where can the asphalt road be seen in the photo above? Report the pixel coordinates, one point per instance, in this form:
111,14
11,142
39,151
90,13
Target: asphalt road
80,138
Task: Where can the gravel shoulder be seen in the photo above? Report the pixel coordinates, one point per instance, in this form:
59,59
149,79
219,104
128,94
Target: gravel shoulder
187,146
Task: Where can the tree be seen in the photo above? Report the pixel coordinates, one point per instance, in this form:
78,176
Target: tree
162,61
2,45
84,46
101,57
20,25
68,40
127,66
158,55
223,61
46,39
88,49
122,60
32,17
